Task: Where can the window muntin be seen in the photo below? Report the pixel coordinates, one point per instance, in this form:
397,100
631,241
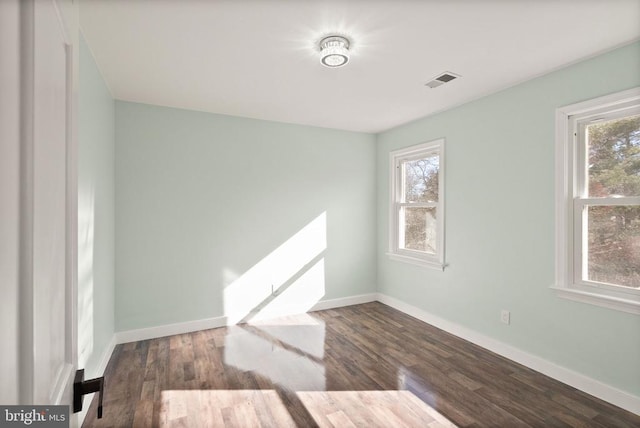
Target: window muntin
598,201
417,208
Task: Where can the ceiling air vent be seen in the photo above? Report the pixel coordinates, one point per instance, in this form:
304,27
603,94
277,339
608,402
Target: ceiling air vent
441,79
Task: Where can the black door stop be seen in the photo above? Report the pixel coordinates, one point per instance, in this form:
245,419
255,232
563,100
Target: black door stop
83,387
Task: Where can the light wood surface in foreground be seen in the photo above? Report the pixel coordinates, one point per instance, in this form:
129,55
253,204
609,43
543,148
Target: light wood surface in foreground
243,408
348,409
264,408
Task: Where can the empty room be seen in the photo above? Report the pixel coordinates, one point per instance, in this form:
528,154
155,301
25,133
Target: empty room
320,213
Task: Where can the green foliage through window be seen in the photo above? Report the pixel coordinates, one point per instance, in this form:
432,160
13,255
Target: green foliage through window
614,157
614,231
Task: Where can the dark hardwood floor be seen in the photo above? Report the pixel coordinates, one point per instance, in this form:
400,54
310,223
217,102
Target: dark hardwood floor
291,371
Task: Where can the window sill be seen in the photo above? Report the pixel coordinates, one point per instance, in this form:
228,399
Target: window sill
617,303
416,261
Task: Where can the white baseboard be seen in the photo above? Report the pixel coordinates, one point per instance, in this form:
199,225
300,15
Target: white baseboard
190,326
106,355
169,329
584,383
344,301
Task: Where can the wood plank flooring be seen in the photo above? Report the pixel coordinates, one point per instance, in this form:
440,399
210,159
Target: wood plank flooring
371,409
339,367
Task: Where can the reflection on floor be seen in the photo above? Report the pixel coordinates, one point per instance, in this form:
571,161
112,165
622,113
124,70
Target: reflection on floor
324,368
287,350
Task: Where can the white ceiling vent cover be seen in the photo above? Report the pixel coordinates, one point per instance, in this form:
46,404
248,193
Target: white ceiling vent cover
441,79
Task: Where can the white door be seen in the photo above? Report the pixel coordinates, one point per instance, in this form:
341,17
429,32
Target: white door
9,198
48,209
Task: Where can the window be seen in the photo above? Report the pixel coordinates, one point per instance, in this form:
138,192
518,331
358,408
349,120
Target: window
416,232
598,201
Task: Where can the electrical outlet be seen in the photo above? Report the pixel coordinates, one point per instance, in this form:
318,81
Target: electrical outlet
505,316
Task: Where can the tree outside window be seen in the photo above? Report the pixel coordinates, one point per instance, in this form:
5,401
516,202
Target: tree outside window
613,148
417,217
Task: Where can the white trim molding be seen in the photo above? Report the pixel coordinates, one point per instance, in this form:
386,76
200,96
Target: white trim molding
610,302
344,301
169,329
104,359
207,323
569,166
577,380
398,205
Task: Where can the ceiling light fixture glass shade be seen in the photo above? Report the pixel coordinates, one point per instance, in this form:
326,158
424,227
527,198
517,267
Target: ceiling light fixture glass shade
334,51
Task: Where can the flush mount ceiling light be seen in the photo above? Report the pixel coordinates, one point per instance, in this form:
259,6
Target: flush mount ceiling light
334,51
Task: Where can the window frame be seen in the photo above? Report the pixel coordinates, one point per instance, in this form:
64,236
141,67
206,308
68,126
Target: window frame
396,192
572,198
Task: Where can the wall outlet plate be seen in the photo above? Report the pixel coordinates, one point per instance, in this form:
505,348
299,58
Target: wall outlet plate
505,316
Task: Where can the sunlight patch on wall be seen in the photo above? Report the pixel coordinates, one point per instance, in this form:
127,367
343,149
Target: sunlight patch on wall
289,280
86,231
296,296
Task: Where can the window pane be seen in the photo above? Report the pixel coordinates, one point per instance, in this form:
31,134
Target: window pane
421,179
614,245
419,229
614,157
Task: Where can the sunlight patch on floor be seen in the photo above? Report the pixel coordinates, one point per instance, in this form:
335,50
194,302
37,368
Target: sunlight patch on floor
254,408
223,408
371,409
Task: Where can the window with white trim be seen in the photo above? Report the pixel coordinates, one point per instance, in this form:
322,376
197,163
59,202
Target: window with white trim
416,225
598,201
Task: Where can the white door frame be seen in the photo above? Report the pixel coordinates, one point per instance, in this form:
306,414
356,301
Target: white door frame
9,197
62,389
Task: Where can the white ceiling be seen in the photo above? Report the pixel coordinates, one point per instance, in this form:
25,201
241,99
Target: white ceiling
259,59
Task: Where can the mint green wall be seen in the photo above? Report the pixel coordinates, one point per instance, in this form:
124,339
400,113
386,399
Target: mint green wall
96,217
203,198
500,224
